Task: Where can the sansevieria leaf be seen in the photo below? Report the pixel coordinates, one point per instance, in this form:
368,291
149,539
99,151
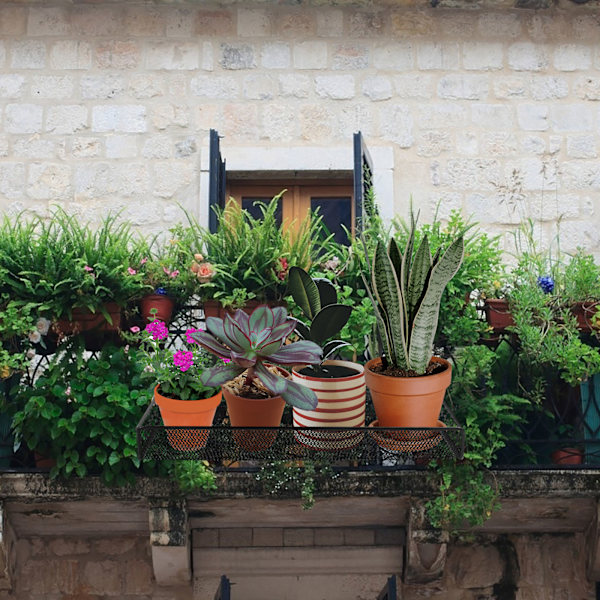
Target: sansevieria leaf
418,277
426,319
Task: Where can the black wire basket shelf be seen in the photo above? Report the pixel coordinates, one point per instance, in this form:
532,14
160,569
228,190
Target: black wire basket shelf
351,447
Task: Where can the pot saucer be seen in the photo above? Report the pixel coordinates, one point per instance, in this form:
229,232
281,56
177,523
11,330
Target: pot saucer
406,440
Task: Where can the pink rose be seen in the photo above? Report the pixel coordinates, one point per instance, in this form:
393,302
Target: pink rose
205,272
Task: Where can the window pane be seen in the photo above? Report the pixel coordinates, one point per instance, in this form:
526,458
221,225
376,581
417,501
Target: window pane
335,212
248,203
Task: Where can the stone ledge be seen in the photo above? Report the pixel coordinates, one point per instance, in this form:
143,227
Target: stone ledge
38,487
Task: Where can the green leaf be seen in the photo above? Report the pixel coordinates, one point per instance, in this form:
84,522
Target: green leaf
329,322
304,291
113,459
327,292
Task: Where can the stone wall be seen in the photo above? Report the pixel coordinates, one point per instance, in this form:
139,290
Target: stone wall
493,110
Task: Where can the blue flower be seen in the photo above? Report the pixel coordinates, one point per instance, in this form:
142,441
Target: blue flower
161,291
546,283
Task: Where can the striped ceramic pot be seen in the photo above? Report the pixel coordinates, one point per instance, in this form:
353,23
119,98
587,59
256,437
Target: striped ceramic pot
341,403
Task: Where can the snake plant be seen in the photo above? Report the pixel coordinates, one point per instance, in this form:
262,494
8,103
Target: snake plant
406,290
248,341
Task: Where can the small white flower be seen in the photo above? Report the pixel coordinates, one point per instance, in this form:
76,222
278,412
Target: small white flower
30,353
43,325
35,337
148,369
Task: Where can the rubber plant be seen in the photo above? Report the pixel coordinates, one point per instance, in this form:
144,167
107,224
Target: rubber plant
250,341
406,292
318,301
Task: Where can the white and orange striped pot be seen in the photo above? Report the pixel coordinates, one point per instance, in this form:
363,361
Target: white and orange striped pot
341,403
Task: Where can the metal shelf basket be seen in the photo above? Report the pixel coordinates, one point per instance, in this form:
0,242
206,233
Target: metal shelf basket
351,447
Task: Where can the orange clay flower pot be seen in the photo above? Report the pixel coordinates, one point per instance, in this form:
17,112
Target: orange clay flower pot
408,401
250,412
187,413
163,304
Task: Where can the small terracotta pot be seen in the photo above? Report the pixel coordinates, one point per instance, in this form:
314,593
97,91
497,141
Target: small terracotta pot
567,456
44,462
341,403
164,306
584,311
250,412
497,313
83,320
408,401
187,413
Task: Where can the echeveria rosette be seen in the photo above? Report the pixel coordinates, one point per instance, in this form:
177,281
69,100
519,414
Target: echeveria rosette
251,340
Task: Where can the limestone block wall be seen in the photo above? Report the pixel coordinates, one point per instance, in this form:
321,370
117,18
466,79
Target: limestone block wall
484,107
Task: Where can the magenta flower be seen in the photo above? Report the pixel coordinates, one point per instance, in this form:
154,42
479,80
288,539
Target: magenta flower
158,330
226,360
174,273
131,271
134,329
190,331
88,269
184,360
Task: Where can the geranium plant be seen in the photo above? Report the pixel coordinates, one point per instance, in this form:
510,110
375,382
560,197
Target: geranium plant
177,371
250,341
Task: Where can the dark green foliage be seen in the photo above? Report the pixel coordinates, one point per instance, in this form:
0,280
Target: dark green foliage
84,412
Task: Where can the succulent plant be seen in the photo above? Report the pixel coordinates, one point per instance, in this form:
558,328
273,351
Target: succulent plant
317,299
406,291
250,341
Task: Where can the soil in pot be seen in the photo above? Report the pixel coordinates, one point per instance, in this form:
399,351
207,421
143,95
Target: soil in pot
328,371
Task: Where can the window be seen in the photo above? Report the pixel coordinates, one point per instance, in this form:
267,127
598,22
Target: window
333,178
333,200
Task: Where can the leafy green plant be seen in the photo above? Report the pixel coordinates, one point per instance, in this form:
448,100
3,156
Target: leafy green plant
250,257
581,278
194,476
248,341
177,372
17,327
317,299
406,290
83,413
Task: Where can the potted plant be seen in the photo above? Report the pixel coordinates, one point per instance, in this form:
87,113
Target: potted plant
182,398
408,385
245,262
255,385
581,279
339,385
170,273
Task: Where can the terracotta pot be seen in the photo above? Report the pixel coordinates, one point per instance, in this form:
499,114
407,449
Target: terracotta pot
249,412
164,306
341,403
187,413
408,401
83,320
584,311
213,308
44,462
497,313
567,456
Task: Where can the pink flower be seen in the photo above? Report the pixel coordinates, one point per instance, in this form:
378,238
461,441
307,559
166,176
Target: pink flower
205,272
226,360
167,272
131,271
174,274
144,260
134,329
158,330
282,271
198,257
88,268
184,360
188,337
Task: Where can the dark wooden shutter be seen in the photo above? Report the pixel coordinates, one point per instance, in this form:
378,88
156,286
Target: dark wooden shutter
216,180
389,591
224,591
363,180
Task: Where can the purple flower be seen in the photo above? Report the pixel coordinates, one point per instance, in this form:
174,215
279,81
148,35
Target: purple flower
184,360
546,283
160,291
158,330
